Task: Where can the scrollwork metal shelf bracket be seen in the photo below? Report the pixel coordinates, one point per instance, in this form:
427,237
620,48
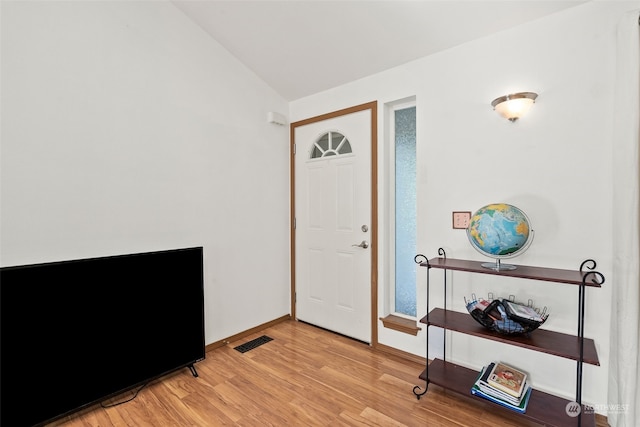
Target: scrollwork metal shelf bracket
421,259
597,279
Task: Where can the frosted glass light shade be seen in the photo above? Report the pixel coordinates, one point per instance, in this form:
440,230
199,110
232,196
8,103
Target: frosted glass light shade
515,105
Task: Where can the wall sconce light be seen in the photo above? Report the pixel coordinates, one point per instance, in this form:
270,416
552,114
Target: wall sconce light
515,105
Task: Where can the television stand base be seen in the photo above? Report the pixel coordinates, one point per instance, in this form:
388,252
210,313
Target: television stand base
193,370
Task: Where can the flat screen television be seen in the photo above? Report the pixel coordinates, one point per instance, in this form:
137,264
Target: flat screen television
76,333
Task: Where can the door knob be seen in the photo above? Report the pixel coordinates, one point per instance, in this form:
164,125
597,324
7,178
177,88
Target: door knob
364,245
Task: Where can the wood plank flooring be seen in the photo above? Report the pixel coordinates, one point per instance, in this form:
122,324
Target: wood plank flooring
306,376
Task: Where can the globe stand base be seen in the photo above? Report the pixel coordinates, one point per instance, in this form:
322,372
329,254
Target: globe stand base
497,266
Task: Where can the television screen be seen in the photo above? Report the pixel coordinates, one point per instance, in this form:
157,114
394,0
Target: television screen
74,333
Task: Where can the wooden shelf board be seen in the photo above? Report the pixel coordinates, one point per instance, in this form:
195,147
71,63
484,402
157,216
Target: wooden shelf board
542,408
542,340
572,277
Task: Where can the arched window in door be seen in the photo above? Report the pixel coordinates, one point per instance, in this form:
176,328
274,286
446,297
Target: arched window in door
330,144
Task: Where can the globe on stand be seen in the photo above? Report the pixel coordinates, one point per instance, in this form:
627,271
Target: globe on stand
500,231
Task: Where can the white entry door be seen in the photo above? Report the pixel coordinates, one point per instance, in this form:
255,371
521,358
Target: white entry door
333,223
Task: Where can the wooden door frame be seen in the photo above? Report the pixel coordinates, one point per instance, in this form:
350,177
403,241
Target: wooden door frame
373,106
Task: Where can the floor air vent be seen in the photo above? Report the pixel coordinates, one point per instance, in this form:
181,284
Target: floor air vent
253,344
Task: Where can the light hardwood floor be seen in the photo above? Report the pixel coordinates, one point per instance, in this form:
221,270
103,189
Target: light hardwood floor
306,376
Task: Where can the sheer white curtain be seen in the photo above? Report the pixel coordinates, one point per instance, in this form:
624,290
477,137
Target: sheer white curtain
624,368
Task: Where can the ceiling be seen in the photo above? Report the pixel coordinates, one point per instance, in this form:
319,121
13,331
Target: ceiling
302,47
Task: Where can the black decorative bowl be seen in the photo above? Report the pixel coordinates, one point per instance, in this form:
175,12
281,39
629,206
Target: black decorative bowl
506,316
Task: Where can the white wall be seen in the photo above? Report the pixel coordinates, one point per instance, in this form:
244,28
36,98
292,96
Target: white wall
555,164
125,128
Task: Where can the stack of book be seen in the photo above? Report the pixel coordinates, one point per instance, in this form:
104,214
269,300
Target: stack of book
504,385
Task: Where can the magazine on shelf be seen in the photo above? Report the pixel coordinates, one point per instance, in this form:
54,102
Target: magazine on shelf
521,408
484,391
484,386
507,379
501,395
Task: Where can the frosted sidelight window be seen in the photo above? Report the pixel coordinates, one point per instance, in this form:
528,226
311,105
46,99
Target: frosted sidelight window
405,211
330,144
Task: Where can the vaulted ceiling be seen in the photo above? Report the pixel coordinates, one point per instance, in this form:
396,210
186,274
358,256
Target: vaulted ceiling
301,47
